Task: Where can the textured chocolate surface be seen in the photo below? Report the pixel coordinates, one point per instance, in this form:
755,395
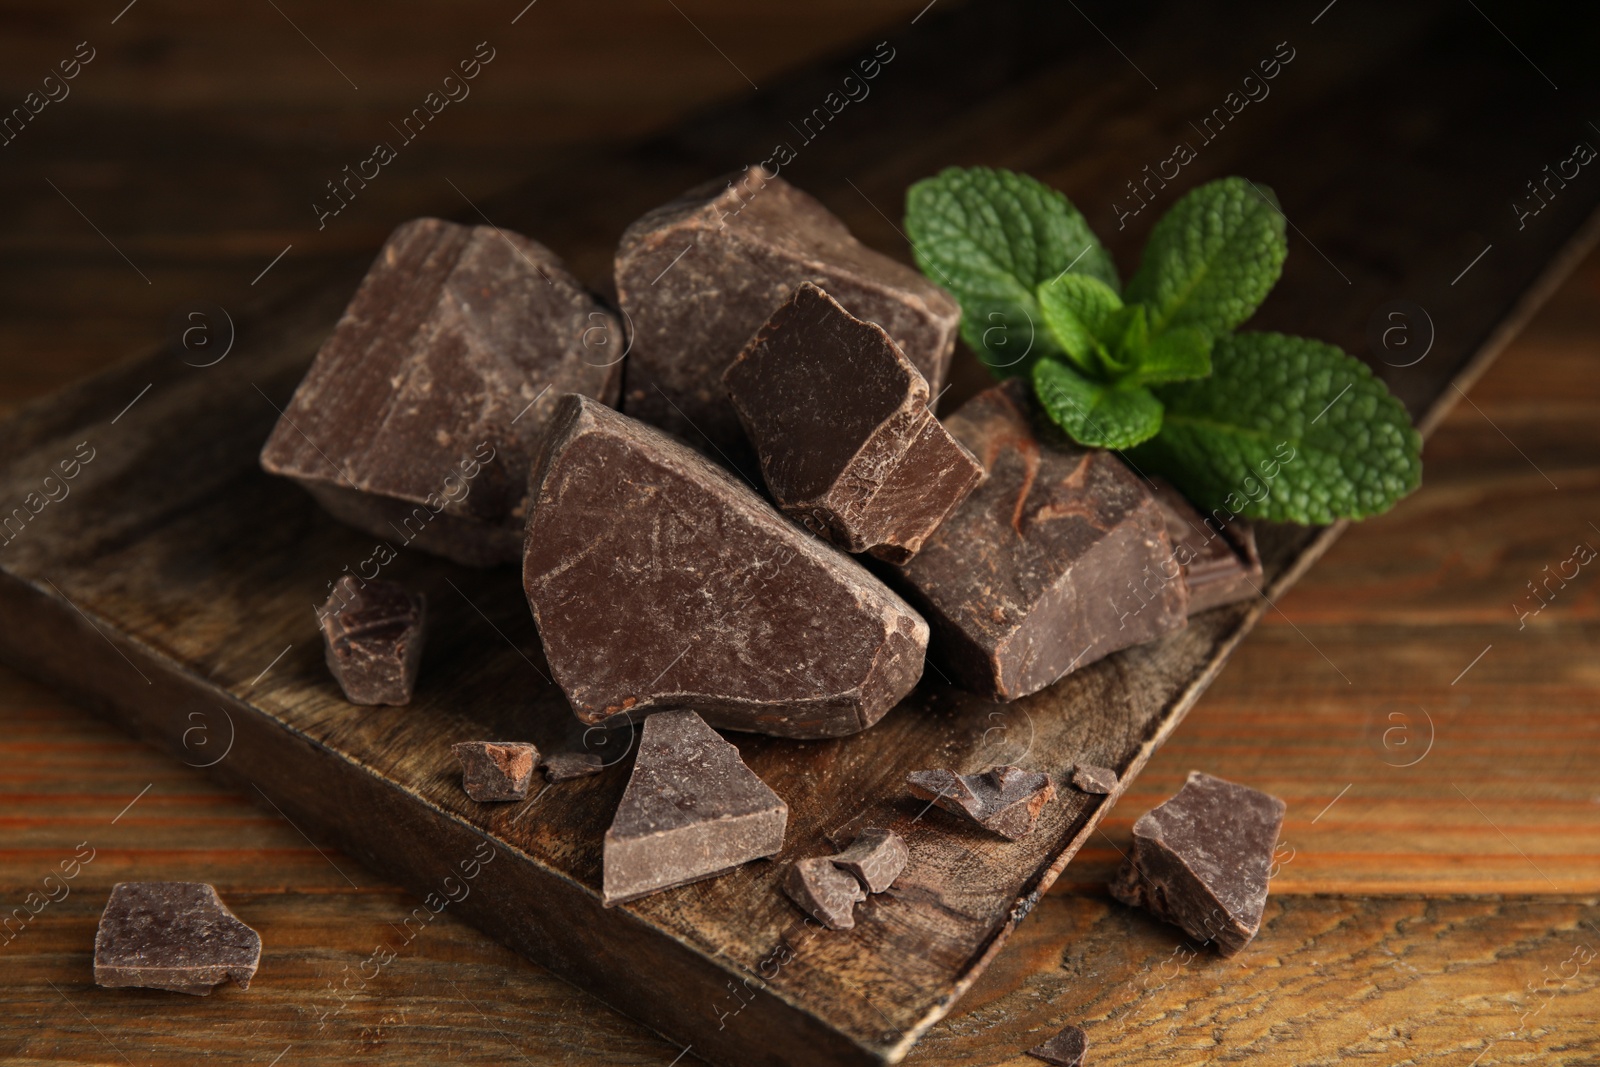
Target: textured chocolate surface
660,581
420,416
1201,860
1219,566
875,859
564,766
697,276
1088,778
1066,1049
1006,800
1035,574
840,421
496,770
824,892
692,810
372,636
177,936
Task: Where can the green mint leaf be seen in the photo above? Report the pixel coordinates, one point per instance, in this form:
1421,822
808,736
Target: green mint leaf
1212,258
1075,308
1094,413
991,237
1287,429
1175,356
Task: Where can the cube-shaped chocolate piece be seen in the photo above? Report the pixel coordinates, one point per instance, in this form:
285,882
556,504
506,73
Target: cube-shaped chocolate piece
1219,561
697,276
875,859
496,770
840,421
824,892
372,636
660,581
177,936
1030,577
418,420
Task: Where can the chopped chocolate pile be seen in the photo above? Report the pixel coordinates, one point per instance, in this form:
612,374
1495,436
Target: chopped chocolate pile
564,766
1201,859
875,858
1066,1049
1088,778
823,891
696,277
177,936
372,635
660,581
692,810
1006,800
419,418
840,420
496,770
1039,571
1220,567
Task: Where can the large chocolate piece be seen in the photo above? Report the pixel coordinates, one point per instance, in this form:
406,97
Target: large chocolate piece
1005,800
696,277
177,936
1201,859
420,416
1219,566
1029,578
840,420
824,892
1066,1049
692,810
660,581
875,859
496,770
372,635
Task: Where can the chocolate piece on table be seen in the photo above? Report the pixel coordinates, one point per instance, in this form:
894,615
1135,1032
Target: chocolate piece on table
177,936
875,858
1219,567
840,420
697,276
1088,778
658,581
372,635
1066,1049
496,770
1200,860
567,765
1034,575
692,810
824,892
1006,800
419,418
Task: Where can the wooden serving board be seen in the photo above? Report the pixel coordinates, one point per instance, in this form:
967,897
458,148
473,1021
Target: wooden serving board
174,585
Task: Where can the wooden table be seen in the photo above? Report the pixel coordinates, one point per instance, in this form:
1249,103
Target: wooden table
1436,897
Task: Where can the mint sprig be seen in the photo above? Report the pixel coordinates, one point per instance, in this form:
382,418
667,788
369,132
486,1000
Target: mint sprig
1262,424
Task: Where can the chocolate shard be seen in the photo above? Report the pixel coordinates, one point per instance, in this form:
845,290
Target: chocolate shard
421,413
177,936
697,276
659,581
496,770
840,420
372,634
1066,1049
875,859
1220,563
1200,860
692,810
1088,778
1035,574
1005,800
564,766
824,892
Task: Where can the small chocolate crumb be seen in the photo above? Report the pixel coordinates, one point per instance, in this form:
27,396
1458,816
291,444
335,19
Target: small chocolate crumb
372,634
1066,1049
1006,800
496,770
1088,778
567,765
177,936
876,858
823,891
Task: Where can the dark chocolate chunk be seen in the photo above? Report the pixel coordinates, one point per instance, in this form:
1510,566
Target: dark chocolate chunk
660,581
1066,1049
696,277
840,420
372,635
1030,577
1006,800
496,770
1201,859
177,936
824,892
1088,778
420,416
875,858
692,810
1220,564
564,766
